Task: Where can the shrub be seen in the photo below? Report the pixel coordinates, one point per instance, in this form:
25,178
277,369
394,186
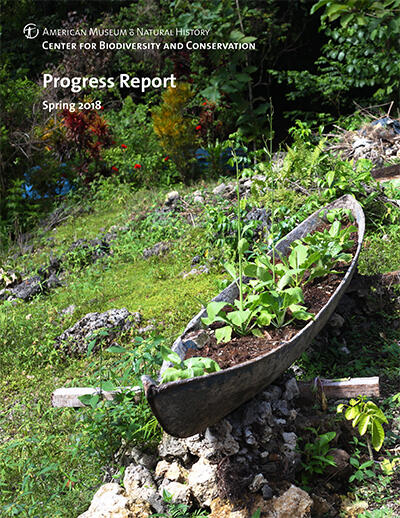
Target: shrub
137,155
175,129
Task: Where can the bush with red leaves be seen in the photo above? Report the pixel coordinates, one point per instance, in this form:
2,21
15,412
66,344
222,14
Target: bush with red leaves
88,133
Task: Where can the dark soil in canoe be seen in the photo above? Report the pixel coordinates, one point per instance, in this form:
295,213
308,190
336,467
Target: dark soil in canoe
243,348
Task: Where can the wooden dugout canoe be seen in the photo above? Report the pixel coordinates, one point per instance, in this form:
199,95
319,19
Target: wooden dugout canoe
186,407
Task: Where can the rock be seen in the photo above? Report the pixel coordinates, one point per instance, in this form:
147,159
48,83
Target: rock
5,294
70,310
111,501
196,339
257,483
203,481
281,407
266,492
176,473
140,487
145,330
341,459
53,281
75,339
172,447
224,509
361,142
134,455
291,390
353,509
293,503
321,508
28,288
219,189
336,320
198,199
158,249
196,259
161,468
218,442
273,393
180,493
290,440
196,271
172,197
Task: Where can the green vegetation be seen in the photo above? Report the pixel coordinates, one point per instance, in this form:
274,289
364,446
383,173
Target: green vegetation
190,368
86,190
368,418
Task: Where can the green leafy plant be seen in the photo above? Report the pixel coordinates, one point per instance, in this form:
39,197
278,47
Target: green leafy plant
178,510
316,454
368,418
190,368
362,471
338,214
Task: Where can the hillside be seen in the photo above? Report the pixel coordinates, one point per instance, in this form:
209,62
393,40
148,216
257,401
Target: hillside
158,254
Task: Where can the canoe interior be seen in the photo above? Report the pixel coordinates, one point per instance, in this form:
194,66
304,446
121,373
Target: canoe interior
186,407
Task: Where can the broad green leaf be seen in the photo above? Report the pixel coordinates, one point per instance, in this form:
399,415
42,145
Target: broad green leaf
335,228
213,308
170,356
298,256
251,270
284,280
91,400
351,413
170,374
108,385
363,424
210,365
223,334
264,319
377,435
239,317
354,462
301,313
243,246
194,362
330,176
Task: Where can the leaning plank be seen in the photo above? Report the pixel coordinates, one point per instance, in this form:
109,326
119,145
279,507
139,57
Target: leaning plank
68,397
347,388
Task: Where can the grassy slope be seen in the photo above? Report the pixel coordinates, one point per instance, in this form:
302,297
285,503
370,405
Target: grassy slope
37,437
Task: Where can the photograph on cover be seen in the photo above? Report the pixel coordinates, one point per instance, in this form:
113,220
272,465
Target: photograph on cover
200,258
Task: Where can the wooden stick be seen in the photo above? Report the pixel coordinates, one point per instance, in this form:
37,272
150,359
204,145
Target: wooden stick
351,387
68,397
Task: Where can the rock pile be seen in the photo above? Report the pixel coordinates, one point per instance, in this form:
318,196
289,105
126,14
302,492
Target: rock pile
378,141
74,341
232,469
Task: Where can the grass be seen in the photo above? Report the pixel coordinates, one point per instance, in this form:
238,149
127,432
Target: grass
48,466
45,469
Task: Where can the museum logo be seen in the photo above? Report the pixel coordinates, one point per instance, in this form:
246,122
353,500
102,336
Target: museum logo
31,31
